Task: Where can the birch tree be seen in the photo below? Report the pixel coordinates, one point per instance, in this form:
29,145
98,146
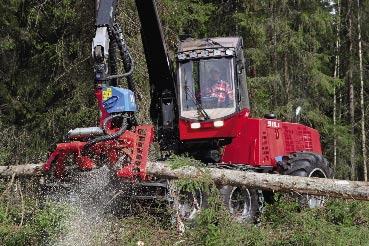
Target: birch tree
336,76
363,136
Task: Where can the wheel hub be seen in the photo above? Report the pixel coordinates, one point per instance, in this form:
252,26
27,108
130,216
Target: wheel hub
240,204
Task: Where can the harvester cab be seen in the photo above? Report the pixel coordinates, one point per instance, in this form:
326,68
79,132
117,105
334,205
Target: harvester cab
211,81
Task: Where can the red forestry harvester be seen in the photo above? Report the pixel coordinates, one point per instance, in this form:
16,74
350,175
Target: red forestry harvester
203,110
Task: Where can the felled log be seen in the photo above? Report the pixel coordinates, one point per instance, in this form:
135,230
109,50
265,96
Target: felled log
21,170
315,186
274,182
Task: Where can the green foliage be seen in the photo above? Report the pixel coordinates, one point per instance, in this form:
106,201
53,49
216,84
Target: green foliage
340,223
261,95
178,161
40,226
46,87
18,145
186,17
283,223
202,182
147,230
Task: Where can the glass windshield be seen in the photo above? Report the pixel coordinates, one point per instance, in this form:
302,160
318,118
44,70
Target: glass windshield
207,88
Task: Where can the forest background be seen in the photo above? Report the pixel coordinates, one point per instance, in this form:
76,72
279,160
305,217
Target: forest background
308,53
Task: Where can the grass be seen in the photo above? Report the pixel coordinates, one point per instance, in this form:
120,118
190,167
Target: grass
40,225
339,223
282,223
148,230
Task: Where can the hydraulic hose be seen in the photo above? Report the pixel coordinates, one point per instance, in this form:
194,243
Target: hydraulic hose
112,57
128,61
108,137
125,54
129,73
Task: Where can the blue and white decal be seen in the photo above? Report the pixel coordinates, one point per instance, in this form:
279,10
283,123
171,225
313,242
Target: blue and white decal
118,100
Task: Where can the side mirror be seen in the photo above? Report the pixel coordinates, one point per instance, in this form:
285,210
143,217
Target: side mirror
240,67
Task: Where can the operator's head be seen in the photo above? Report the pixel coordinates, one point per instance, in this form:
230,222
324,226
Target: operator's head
215,74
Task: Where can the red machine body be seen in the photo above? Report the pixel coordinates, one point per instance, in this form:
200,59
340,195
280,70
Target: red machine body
214,110
133,146
255,142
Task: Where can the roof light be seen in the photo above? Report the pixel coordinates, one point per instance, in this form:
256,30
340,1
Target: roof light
181,56
218,123
217,52
204,53
229,52
193,55
195,125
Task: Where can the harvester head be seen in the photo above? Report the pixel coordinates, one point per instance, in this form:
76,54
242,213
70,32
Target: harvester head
117,143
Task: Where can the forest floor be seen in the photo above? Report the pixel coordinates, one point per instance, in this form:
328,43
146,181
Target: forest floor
78,217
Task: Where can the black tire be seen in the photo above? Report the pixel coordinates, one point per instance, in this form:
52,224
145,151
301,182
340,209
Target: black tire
307,164
243,204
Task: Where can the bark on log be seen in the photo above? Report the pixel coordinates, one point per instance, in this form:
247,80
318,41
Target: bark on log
21,170
315,186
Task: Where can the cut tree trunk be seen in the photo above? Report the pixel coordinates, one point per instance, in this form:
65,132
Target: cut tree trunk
21,170
274,182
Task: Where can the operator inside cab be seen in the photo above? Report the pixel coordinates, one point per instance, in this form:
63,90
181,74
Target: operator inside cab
218,88
207,87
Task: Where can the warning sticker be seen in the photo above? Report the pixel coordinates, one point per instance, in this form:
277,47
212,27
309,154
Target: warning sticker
107,93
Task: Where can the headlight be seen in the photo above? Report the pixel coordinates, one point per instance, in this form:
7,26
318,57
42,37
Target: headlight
195,125
218,123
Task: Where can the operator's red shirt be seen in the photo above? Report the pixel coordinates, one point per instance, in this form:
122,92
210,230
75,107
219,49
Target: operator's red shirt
220,90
